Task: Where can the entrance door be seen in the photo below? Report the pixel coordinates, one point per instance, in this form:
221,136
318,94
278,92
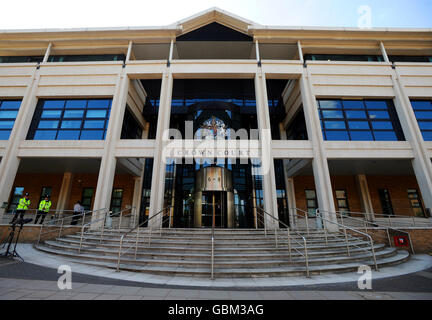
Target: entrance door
385,202
214,202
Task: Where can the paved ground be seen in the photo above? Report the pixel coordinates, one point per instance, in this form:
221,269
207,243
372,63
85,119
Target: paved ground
25,281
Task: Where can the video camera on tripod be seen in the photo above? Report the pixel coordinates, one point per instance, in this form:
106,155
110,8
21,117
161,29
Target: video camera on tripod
9,240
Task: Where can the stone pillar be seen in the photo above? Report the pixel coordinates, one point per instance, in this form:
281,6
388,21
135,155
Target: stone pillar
109,161
65,192
291,199
365,198
10,161
319,163
136,201
421,163
159,163
267,164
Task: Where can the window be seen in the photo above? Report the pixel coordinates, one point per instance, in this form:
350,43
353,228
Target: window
86,198
44,192
415,202
386,204
20,59
311,202
343,57
342,201
116,200
93,57
359,120
8,113
70,120
410,58
131,128
16,196
423,112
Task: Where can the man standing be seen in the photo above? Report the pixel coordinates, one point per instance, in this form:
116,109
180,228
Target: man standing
78,210
44,207
21,208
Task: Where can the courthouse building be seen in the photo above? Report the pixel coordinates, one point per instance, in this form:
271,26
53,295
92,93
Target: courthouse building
333,118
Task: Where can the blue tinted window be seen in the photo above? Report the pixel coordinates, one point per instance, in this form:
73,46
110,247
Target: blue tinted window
421,105
70,124
73,114
10,104
337,135
353,104
45,134
385,136
378,114
51,113
4,134
48,124
8,114
334,124
6,124
425,125
423,114
361,136
92,135
378,104
94,124
332,114
330,104
96,104
382,125
76,104
54,104
355,114
358,124
68,135
427,135
96,113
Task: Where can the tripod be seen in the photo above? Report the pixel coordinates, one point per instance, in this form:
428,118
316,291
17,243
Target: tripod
10,238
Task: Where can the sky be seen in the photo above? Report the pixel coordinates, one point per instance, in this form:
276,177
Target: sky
41,14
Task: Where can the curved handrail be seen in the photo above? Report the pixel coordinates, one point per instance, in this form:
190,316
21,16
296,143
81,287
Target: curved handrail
318,213
306,255
124,235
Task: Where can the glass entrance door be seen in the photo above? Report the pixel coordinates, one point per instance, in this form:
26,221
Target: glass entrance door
214,202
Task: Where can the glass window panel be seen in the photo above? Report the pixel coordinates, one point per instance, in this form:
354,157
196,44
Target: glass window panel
385,136
92,134
427,135
335,124
311,203
355,114
96,113
8,114
378,114
340,193
76,104
88,192
310,194
4,134
353,104
342,203
7,104
423,114
6,124
332,114
68,135
94,124
425,125
51,114
337,135
48,124
376,104
73,114
53,104
45,135
383,125
330,104
361,136
70,124
421,105
92,104
358,124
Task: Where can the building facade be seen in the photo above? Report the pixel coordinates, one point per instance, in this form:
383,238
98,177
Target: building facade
217,114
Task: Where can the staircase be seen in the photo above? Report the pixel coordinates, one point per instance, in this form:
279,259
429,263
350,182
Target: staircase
238,253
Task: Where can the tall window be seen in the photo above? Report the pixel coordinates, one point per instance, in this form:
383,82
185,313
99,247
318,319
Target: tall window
342,200
116,200
311,202
46,191
8,113
415,202
423,113
70,120
16,196
86,198
359,120
386,204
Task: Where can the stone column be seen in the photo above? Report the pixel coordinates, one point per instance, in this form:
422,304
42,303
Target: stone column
159,163
109,161
136,201
10,161
319,163
291,199
267,165
65,192
365,198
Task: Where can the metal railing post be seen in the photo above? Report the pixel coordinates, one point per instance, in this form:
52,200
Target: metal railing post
61,227
120,220
346,240
307,223
119,253
289,243
306,258
136,243
276,240
170,216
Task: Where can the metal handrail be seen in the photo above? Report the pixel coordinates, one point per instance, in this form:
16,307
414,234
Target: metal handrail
306,215
212,248
376,224
33,212
305,255
318,214
124,235
90,223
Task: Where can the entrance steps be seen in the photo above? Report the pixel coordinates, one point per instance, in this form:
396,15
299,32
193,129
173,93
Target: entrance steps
238,253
